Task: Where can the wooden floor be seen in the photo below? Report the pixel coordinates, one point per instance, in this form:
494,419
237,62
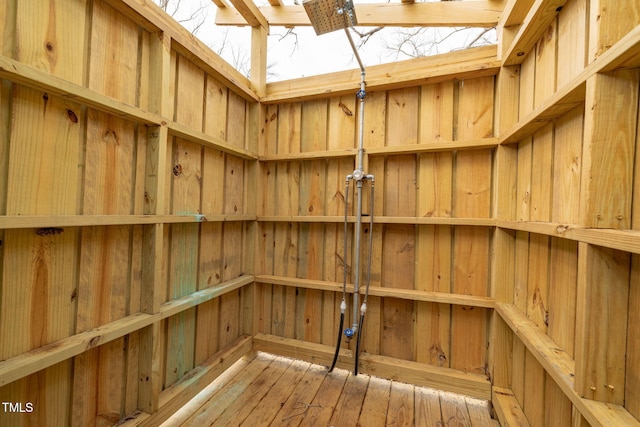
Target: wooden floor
277,391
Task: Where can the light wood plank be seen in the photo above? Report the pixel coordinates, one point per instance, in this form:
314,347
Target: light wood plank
476,13
349,405
326,399
427,407
454,410
376,401
401,404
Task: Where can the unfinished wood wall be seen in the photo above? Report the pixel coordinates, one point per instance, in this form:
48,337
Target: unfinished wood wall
159,222
566,342
106,117
432,215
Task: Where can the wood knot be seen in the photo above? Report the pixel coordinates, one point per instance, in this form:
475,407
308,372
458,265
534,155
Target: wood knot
346,110
49,231
177,170
72,116
93,342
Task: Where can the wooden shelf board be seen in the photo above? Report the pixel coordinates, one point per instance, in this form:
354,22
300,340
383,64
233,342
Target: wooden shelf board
507,408
623,54
475,222
406,294
623,240
43,357
173,307
60,221
561,367
29,76
537,21
202,138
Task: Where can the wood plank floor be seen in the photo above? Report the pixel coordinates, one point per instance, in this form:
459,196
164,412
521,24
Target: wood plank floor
270,390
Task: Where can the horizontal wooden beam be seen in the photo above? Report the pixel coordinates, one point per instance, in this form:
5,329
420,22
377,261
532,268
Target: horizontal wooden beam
468,63
179,305
178,394
210,141
250,13
557,362
422,220
309,155
561,367
625,53
430,296
563,101
29,76
422,374
623,240
61,221
406,294
514,12
479,13
322,285
319,354
507,408
43,357
424,147
435,147
535,24
385,367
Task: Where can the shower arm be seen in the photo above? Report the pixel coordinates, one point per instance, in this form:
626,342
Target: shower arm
361,95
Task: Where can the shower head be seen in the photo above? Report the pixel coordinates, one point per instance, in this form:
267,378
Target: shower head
330,15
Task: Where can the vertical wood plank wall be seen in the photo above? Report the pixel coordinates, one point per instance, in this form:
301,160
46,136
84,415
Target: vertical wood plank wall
567,352
158,221
117,307
304,199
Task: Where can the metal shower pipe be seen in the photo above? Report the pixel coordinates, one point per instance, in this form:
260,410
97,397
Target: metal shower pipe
327,16
359,176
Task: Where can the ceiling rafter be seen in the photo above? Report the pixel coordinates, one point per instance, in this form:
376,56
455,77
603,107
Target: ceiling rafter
249,13
479,13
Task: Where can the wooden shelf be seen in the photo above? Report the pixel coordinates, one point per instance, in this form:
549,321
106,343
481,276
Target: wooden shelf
33,361
624,54
507,408
59,221
210,141
32,77
436,147
537,21
476,222
43,357
429,147
36,79
309,155
173,307
561,367
406,294
623,240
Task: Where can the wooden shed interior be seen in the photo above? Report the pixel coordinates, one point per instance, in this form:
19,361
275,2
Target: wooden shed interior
164,216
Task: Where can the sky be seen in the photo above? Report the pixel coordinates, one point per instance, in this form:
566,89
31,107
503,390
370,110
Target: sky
301,53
